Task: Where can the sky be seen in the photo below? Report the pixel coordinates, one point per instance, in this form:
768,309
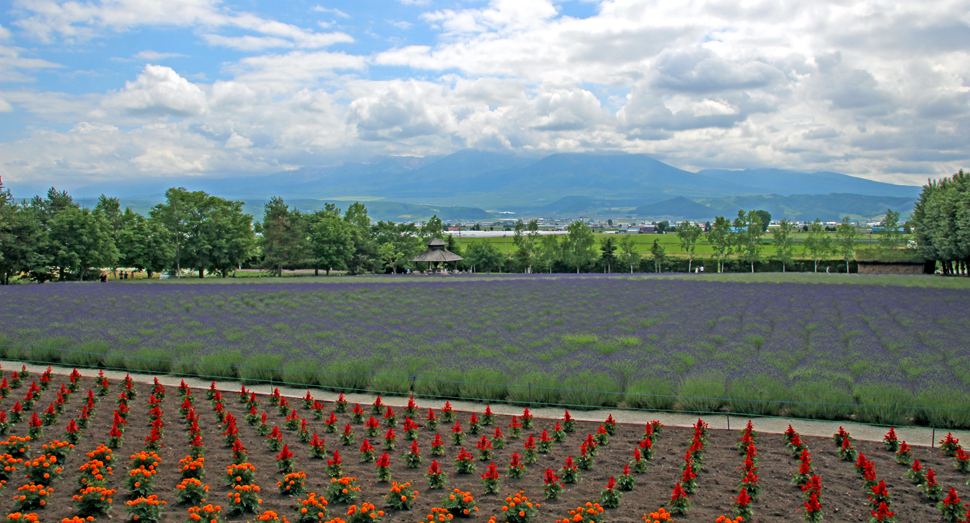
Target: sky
95,91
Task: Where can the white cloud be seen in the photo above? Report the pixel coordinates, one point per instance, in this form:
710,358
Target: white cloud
296,69
236,141
154,56
401,110
231,96
159,90
334,10
5,107
401,24
74,22
14,67
879,88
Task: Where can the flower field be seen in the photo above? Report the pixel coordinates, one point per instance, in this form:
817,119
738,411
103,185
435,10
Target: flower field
890,355
79,449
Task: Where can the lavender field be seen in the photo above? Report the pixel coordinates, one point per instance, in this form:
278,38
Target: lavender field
878,354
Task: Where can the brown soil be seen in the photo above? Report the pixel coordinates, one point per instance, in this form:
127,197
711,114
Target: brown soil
843,497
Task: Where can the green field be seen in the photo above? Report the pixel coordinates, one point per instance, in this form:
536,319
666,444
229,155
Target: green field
670,242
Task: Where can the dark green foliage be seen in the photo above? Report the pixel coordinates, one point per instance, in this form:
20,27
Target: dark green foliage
701,393
261,368
758,395
219,364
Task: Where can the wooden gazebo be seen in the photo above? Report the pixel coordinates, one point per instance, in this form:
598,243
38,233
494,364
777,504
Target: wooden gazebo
436,254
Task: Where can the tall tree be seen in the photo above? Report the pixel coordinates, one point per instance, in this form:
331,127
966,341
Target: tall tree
403,237
749,236
784,242
608,253
577,248
364,256
817,244
526,240
225,240
144,245
549,252
720,239
175,216
628,252
284,239
846,241
44,210
82,240
208,233
433,228
890,237
659,255
22,239
331,239
689,234
110,210
484,256
765,218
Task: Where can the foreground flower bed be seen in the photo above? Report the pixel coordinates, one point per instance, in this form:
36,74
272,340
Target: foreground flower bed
198,455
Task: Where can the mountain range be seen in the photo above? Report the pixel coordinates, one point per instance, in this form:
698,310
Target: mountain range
469,181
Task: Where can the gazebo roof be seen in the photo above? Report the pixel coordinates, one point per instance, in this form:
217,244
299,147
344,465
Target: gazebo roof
436,253
437,256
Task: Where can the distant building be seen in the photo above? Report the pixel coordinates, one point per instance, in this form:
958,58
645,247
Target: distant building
640,229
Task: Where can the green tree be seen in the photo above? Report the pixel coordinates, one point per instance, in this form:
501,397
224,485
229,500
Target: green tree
364,257
433,228
284,239
390,256
720,239
662,227
818,244
208,233
228,239
44,210
659,255
941,223
784,242
331,239
22,239
110,210
628,252
484,256
549,252
527,244
82,240
689,234
175,216
403,237
143,244
765,218
890,237
577,248
608,253
749,232
846,241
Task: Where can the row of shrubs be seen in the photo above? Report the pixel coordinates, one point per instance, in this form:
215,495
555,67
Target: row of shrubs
756,395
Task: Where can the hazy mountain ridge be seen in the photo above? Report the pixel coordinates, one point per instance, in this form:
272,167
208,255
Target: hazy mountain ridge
558,184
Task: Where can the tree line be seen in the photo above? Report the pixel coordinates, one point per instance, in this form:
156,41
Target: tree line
52,237
941,223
